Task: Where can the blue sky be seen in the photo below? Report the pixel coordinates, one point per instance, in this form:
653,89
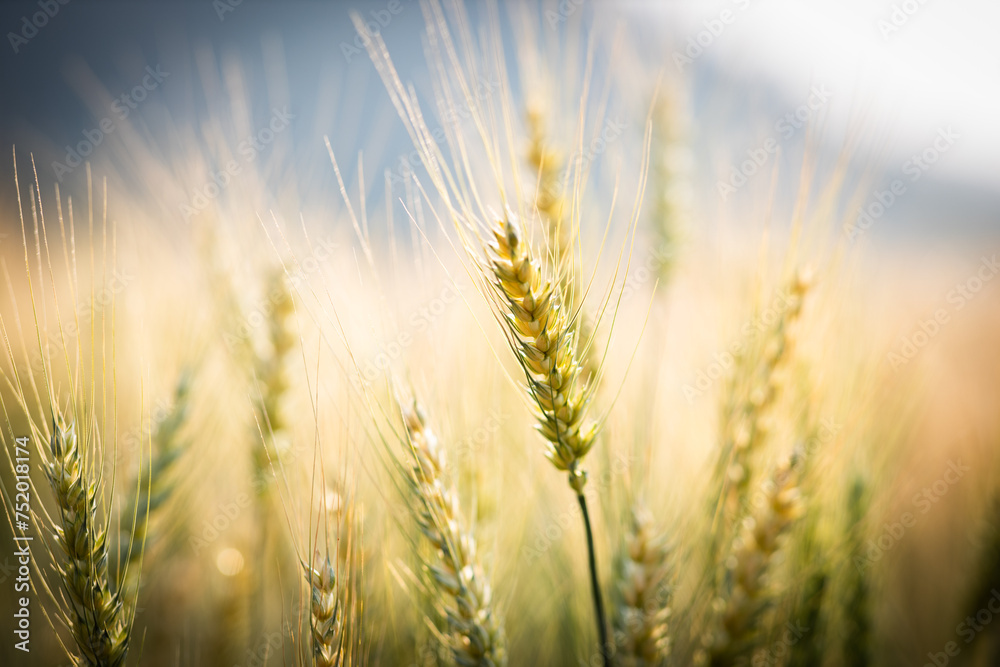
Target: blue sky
899,71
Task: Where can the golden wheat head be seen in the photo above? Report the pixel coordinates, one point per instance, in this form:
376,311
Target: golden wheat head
96,612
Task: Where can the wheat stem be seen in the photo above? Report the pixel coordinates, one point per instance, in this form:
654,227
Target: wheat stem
595,586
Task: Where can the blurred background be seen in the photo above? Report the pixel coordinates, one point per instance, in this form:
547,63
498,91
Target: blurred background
873,122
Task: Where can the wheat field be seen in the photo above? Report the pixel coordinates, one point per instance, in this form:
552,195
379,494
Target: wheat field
515,401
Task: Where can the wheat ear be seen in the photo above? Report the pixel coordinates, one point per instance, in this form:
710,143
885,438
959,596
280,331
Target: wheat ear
325,613
271,436
644,593
549,201
746,418
746,596
272,378
551,206
544,336
671,185
154,491
335,613
475,637
96,613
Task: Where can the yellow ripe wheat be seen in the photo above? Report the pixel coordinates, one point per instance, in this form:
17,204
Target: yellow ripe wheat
475,637
748,565
644,593
544,337
747,418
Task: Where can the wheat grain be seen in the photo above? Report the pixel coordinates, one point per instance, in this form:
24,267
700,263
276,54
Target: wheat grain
475,637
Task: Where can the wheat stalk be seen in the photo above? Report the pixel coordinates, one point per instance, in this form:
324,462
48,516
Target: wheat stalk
544,336
97,616
809,650
856,597
475,637
644,592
